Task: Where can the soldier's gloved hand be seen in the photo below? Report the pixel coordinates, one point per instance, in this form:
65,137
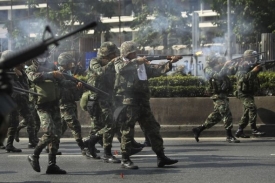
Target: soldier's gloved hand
79,85
227,63
5,83
174,59
141,60
58,75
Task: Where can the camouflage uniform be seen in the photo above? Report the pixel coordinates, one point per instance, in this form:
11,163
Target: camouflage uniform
101,75
68,107
247,85
219,86
47,81
135,93
19,80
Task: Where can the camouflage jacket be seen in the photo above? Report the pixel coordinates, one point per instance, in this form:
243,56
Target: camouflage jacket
101,77
218,81
20,82
127,83
247,83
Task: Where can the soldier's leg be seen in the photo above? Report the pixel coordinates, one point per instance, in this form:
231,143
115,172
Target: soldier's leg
152,129
26,113
244,119
131,115
37,124
212,119
22,124
13,124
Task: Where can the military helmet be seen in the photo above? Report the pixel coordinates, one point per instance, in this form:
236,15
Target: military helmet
7,53
65,58
128,47
211,59
106,49
249,53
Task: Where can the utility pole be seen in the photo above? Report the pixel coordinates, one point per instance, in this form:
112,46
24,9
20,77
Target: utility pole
228,30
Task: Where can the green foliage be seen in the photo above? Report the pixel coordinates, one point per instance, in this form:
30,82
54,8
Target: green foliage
249,18
158,21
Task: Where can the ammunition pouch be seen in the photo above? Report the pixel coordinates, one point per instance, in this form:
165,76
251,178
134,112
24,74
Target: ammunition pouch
49,90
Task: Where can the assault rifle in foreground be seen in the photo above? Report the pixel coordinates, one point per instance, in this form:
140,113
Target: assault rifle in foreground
7,105
267,64
87,86
21,90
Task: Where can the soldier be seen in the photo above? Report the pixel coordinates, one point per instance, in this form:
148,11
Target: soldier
216,72
247,85
6,104
132,86
68,107
19,79
47,80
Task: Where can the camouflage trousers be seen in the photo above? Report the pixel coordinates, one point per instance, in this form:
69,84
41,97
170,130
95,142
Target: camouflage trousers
22,110
221,113
249,112
102,122
36,121
69,119
143,115
51,126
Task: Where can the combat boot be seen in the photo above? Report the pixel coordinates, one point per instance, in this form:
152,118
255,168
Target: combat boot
255,131
162,160
135,150
2,146
16,135
197,131
34,161
81,145
90,144
230,138
52,167
32,142
108,156
86,145
127,163
135,144
240,134
10,147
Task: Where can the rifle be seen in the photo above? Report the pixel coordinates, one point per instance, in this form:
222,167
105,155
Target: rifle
87,86
267,64
7,105
163,57
21,90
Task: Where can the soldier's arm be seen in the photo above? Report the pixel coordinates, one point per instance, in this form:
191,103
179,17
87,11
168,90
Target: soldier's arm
35,76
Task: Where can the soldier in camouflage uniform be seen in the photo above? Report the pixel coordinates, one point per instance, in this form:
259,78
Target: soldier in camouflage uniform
101,75
68,107
47,80
7,104
247,85
19,79
216,72
132,86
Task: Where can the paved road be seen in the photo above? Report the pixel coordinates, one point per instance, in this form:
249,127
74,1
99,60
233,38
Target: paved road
212,160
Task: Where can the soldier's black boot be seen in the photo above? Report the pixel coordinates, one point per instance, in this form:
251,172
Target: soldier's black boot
34,161
147,142
52,167
10,147
2,146
16,136
230,138
162,160
255,131
135,150
108,156
197,131
91,153
135,144
81,145
32,143
239,133
127,163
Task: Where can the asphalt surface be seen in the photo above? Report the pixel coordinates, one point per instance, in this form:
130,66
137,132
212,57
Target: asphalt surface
212,160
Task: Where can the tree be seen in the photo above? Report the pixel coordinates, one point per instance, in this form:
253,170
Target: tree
158,21
249,18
